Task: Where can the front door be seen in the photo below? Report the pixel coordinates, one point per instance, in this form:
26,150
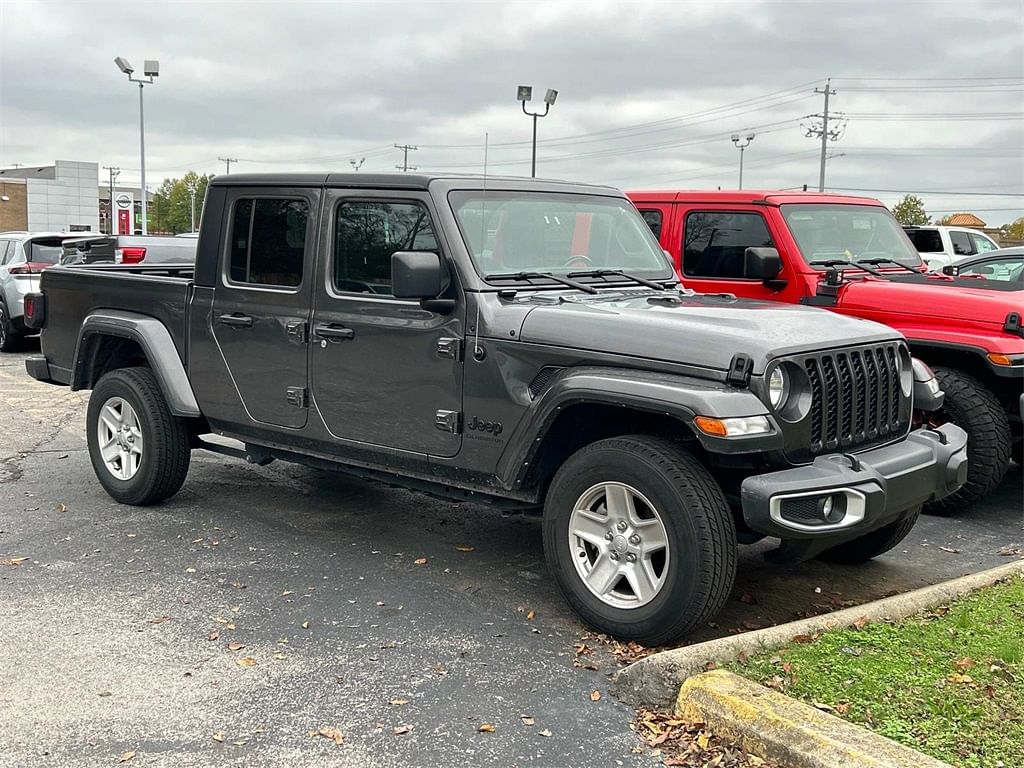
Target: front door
385,371
262,302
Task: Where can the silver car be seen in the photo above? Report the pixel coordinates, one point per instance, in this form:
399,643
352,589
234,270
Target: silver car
23,255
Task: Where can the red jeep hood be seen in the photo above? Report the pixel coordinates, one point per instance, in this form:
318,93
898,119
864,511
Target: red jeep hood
982,306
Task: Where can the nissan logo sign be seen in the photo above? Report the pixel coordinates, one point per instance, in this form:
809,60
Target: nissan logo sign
124,201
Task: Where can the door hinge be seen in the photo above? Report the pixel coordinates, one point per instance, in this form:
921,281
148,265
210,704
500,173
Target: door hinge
296,396
450,349
448,421
296,329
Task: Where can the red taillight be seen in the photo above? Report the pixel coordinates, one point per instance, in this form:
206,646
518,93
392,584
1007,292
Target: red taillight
29,268
35,310
129,255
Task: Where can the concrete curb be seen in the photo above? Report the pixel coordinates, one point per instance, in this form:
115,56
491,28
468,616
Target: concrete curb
777,727
654,681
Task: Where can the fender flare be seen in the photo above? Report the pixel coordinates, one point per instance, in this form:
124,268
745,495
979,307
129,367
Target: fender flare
158,346
672,395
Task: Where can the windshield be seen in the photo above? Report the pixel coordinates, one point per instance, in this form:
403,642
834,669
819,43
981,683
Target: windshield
511,232
848,233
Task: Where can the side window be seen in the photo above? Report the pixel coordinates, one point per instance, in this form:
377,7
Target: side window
961,243
6,248
268,241
714,243
982,244
926,240
653,219
367,233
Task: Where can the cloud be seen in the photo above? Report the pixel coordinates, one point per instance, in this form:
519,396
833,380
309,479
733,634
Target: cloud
298,86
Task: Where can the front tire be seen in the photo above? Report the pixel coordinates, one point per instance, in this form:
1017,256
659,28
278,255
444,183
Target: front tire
640,538
873,544
139,450
971,406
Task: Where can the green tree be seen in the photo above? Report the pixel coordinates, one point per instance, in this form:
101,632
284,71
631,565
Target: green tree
1014,230
174,202
910,211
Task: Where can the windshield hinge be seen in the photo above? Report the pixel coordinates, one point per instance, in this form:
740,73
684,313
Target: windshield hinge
739,370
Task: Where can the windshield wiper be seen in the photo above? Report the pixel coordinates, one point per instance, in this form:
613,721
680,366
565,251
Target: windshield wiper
618,273
845,263
879,260
542,275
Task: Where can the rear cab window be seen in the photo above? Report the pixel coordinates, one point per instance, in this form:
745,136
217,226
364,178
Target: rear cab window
268,241
714,243
926,240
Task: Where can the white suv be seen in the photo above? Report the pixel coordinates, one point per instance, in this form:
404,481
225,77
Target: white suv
941,246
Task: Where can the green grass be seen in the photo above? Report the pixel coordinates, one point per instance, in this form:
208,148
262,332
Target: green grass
904,681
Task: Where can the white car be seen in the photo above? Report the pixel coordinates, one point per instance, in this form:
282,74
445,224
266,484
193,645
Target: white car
941,246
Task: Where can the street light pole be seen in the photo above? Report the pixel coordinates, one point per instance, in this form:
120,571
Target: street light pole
736,140
525,94
150,69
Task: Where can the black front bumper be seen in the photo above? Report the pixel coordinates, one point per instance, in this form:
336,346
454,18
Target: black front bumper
873,488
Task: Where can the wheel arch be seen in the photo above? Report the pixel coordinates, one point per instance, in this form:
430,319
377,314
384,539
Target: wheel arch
109,340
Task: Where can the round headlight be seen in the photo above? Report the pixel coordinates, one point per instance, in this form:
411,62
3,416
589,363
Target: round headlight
778,387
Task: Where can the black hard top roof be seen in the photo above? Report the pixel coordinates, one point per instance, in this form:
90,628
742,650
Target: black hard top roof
419,181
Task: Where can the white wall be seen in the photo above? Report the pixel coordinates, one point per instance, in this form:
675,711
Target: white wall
71,198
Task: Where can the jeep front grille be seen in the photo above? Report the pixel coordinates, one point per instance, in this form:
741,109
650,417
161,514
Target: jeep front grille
855,398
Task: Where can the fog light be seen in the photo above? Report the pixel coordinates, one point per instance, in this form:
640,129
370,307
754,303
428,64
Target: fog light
832,508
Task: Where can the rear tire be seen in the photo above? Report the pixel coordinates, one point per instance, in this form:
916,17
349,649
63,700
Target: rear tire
139,450
650,500
872,544
10,339
971,406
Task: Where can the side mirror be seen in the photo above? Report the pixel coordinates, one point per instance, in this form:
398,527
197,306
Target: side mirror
950,270
417,275
762,264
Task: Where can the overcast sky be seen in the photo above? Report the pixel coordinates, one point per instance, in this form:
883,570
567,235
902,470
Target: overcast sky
649,93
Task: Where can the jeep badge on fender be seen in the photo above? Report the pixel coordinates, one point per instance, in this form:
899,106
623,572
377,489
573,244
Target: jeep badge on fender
494,427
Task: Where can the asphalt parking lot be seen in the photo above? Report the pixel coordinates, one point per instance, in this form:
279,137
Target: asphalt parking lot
262,604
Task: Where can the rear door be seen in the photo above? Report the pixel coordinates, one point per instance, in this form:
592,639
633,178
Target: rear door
385,371
262,300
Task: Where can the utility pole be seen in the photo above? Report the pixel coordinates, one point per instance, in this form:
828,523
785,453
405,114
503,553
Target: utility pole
405,157
228,161
114,173
821,129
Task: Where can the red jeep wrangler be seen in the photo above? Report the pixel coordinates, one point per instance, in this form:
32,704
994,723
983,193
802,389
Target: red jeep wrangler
849,254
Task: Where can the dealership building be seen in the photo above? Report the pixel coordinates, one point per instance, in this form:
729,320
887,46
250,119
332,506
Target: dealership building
63,197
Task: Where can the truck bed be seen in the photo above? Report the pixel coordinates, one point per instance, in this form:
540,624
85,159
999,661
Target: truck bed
74,292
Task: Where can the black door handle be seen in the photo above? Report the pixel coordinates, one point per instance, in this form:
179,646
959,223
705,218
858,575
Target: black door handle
236,321
333,332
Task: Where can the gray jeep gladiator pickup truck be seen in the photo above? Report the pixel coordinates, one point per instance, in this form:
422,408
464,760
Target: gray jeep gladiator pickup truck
519,342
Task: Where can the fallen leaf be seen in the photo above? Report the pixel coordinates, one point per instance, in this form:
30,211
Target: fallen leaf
400,729
703,740
742,657
531,615
464,548
235,646
420,561
332,733
748,598
545,732
965,663
843,708
247,661
861,622
213,636
219,737
960,679
595,695
582,649
305,625
229,626
159,620
398,702
61,508
13,561
990,691
487,728
527,720
125,757
803,638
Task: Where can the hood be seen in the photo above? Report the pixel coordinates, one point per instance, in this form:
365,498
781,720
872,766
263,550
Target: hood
702,330
983,304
